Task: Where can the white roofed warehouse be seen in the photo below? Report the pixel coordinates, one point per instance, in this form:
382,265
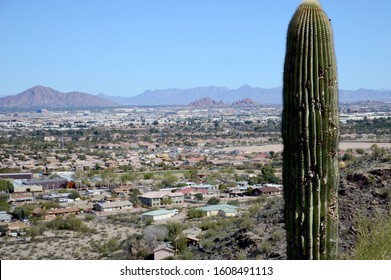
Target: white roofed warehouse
161,214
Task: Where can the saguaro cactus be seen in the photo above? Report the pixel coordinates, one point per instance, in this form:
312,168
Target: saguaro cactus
310,132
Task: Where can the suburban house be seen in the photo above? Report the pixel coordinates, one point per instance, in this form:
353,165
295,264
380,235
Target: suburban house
224,210
16,228
161,214
209,188
26,188
177,197
51,214
155,199
94,192
22,197
64,211
190,192
124,190
192,236
268,191
163,251
112,206
60,197
237,192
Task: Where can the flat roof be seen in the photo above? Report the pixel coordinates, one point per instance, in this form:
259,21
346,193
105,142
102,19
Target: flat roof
115,204
176,194
159,212
10,174
218,207
63,210
155,194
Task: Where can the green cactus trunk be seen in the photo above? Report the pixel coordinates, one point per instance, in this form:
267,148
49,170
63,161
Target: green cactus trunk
310,132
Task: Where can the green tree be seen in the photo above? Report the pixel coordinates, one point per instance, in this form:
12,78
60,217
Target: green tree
74,195
174,229
267,175
193,213
127,177
148,176
23,211
135,196
6,186
169,180
194,175
3,229
4,206
213,201
199,196
234,202
166,201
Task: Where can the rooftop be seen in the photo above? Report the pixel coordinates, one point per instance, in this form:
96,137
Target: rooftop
115,204
159,212
218,207
63,211
155,194
176,194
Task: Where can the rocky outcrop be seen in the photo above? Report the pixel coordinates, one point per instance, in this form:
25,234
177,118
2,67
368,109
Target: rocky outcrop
206,102
245,102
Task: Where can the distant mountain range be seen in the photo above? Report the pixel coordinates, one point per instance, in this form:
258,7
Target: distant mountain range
174,96
262,96
44,97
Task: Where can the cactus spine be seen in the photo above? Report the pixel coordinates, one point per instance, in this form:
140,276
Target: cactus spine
310,132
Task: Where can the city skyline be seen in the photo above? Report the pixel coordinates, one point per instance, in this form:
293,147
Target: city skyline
122,48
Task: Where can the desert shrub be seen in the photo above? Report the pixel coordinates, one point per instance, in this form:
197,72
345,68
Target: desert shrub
207,224
3,229
373,239
181,243
74,194
207,244
135,247
245,222
68,223
174,229
241,255
147,221
360,151
277,236
187,255
234,202
35,230
89,217
265,247
50,205
193,213
106,248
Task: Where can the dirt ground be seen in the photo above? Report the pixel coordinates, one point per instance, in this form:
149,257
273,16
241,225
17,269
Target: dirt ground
66,245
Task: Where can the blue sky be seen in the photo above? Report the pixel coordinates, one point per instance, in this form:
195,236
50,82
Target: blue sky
124,47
